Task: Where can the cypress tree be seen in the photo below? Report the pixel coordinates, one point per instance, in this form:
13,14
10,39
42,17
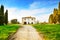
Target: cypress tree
6,17
2,15
2,10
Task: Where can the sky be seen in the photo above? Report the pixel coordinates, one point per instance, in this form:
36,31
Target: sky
41,9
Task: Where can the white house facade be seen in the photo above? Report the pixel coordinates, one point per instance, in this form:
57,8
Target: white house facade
28,20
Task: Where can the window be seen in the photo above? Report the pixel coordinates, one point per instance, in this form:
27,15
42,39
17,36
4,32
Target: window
32,18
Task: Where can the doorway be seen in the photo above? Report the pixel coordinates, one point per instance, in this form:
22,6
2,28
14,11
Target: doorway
28,23
31,22
25,23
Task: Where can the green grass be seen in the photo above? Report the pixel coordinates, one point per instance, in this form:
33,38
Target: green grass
50,31
6,30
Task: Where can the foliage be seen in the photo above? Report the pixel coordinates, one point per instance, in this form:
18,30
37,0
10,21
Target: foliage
59,18
2,19
2,15
51,18
56,16
2,10
50,31
6,17
14,21
6,30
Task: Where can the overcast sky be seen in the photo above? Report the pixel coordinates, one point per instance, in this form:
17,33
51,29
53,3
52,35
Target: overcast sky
41,9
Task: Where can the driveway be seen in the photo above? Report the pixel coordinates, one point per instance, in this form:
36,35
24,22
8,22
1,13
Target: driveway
26,32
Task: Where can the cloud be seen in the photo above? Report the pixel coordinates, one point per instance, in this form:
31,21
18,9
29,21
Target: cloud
35,5
41,14
43,17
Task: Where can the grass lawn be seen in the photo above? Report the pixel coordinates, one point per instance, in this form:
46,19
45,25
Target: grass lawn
6,30
50,31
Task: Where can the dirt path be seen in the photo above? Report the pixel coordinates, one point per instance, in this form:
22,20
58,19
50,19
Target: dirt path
27,32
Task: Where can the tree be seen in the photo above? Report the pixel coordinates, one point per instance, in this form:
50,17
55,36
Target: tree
6,17
51,18
2,15
2,10
55,19
59,18
1,20
14,21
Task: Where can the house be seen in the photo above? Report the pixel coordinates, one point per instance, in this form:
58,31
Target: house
28,20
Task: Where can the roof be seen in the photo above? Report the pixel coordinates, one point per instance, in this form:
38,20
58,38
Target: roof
28,17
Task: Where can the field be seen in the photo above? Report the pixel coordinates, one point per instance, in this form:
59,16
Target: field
49,31
6,30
